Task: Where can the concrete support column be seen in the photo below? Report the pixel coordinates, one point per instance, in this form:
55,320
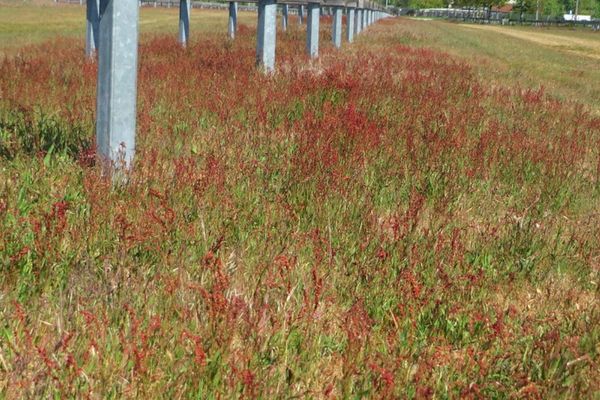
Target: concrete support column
284,17
232,26
93,25
362,20
336,35
363,26
117,81
266,35
301,14
350,25
312,30
184,21
358,21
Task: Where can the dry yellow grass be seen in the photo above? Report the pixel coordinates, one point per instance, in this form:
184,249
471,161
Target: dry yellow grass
588,46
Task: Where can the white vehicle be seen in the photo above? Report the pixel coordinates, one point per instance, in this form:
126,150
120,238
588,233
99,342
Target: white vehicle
573,17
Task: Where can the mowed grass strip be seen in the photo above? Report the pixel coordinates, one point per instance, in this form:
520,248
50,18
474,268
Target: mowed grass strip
25,24
565,62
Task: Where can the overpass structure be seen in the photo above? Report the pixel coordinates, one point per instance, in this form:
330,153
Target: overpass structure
112,35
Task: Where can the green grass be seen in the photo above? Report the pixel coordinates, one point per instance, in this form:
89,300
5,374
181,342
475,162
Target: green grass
504,60
25,24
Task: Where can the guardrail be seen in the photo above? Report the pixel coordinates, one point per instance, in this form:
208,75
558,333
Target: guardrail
112,29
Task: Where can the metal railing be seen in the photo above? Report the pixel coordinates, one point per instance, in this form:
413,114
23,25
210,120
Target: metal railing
487,16
114,33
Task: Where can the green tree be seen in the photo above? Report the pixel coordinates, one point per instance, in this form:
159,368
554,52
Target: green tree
551,7
524,7
586,7
426,3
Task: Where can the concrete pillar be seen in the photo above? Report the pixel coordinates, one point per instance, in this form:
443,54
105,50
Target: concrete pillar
362,20
232,26
301,14
266,35
93,25
350,25
184,21
117,81
363,12
336,35
312,29
284,17
358,27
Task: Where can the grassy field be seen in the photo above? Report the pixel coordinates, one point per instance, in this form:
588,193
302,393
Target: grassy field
565,62
23,24
408,217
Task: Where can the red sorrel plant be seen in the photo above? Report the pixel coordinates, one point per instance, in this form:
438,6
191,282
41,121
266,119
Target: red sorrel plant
375,223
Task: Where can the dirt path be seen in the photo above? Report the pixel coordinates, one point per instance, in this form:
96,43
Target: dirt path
581,46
